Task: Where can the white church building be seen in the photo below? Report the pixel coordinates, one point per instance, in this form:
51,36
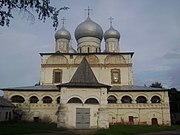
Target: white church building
88,87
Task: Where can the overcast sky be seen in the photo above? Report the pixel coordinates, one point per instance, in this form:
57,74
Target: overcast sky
149,28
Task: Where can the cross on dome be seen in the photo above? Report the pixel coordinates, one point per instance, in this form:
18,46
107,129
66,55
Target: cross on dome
88,10
111,19
63,19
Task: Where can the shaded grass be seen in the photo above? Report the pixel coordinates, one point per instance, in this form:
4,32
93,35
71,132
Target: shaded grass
132,130
30,128
27,128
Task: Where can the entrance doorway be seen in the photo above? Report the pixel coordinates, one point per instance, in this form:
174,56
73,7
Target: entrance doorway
82,118
154,121
131,120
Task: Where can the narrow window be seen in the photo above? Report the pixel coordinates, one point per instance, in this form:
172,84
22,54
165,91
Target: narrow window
9,115
88,49
57,76
115,76
6,117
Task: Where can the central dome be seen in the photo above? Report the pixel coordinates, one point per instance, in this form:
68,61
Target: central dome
88,28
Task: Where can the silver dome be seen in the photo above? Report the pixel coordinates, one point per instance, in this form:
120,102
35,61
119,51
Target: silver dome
62,33
88,28
111,33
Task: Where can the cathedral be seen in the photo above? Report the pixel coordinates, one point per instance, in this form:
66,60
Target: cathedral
89,87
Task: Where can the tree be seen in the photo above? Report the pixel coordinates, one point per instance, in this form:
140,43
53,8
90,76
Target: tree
42,8
156,85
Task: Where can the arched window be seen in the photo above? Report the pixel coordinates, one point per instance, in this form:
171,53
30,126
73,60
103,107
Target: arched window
155,99
47,99
33,99
112,99
75,100
17,99
91,101
141,99
58,100
126,99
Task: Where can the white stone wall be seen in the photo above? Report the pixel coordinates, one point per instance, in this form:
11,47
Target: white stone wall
45,112
67,111
142,112
100,64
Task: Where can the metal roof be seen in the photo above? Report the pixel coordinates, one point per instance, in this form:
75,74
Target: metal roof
134,88
36,88
5,103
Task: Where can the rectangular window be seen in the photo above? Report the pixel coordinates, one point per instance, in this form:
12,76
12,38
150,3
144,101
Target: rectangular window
6,117
57,76
9,115
115,76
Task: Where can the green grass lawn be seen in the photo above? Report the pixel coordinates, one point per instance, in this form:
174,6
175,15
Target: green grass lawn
131,130
27,128
30,128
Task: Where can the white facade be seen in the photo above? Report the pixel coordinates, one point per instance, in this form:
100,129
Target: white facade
90,89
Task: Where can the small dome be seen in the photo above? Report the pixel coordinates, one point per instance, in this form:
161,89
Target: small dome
88,28
62,33
71,49
111,33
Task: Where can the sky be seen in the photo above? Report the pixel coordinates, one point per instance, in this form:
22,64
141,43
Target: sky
149,28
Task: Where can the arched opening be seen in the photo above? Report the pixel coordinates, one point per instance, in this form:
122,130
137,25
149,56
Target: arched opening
141,99
126,99
58,100
91,101
33,99
75,100
155,99
112,99
47,99
154,121
17,99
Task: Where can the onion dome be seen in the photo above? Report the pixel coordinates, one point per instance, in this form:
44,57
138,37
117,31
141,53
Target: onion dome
111,33
62,33
71,49
88,28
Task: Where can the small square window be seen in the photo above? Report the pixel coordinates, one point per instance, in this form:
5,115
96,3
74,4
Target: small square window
115,76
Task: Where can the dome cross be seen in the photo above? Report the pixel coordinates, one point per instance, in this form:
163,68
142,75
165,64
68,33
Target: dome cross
111,19
63,19
88,10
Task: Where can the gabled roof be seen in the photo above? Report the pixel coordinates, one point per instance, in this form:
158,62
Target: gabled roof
5,103
84,77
